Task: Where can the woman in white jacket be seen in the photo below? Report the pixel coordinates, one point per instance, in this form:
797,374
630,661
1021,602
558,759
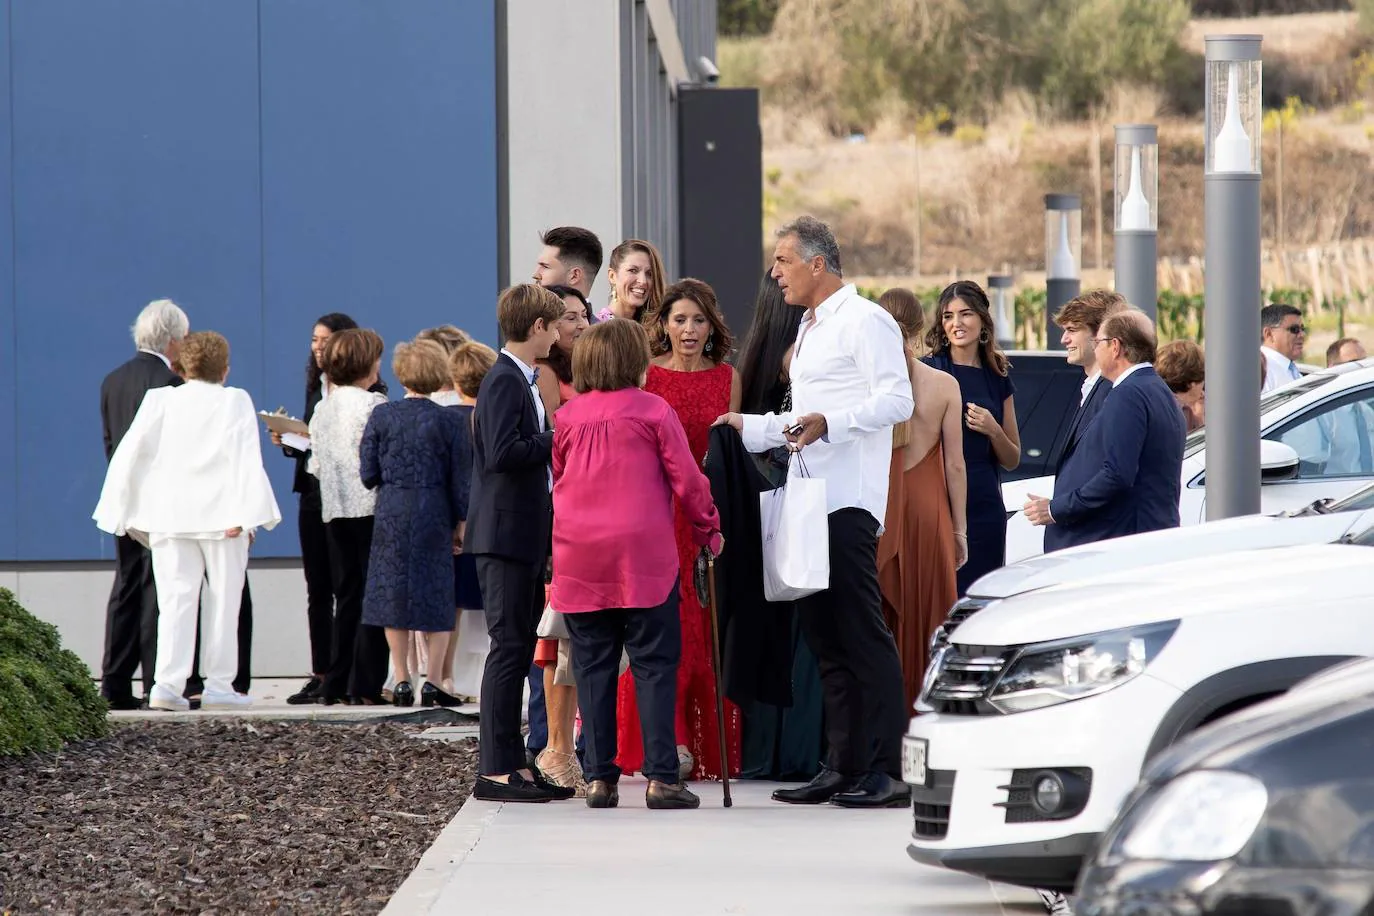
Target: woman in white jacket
188,477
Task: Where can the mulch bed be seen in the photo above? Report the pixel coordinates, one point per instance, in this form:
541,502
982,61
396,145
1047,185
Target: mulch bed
220,817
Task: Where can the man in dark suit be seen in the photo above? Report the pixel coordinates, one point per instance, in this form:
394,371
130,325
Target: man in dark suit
131,616
1124,476
509,528
1081,318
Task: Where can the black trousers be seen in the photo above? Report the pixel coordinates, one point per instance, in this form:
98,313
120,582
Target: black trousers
130,622
653,638
358,657
319,582
243,675
513,598
861,672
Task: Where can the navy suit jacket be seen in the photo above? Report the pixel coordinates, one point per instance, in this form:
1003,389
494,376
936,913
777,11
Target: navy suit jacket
1124,476
510,512
1082,419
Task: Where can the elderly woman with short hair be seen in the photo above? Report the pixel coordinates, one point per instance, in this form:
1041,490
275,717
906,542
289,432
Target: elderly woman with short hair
615,562
188,477
1182,366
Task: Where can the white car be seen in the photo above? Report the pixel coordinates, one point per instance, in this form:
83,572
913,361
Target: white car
1047,705
1319,443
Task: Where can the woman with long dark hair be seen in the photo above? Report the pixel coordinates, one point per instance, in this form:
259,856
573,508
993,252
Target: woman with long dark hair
963,342
781,743
319,587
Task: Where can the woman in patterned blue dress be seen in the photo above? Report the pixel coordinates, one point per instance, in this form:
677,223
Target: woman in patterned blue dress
412,454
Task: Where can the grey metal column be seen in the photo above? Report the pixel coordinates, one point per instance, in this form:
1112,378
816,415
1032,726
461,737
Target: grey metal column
1135,235
1063,249
1232,315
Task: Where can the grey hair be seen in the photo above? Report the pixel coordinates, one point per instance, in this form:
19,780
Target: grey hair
160,323
814,239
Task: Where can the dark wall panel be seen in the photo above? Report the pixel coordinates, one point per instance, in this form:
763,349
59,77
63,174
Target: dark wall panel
9,378
721,183
135,177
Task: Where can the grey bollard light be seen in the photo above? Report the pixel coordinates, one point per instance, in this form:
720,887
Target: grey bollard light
1063,255
1136,229
1231,209
1003,309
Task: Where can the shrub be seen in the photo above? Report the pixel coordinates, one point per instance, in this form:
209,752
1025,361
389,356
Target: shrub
46,692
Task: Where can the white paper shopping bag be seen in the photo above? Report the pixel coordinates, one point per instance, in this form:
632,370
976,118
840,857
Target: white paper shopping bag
796,539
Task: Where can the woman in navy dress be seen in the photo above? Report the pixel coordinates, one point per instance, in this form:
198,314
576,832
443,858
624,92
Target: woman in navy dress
412,454
963,342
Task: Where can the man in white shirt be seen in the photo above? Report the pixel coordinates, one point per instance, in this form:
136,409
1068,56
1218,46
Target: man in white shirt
850,386
1284,335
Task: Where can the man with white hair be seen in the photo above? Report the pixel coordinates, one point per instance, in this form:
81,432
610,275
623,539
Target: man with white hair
131,617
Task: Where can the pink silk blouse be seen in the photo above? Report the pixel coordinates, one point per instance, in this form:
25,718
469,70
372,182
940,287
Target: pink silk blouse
619,457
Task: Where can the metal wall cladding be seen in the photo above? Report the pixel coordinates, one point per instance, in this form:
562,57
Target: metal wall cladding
262,163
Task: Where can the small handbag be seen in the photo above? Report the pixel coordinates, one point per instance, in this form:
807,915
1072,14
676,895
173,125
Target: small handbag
552,625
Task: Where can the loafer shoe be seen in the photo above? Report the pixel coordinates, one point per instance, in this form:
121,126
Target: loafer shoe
518,789
661,796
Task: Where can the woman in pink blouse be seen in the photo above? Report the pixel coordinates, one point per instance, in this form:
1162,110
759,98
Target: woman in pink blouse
615,563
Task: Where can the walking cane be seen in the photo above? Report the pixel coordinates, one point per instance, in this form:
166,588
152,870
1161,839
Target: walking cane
720,693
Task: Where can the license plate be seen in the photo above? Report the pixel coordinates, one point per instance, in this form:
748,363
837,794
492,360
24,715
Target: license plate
914,751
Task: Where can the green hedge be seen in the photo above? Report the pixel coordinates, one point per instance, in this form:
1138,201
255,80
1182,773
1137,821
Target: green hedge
46,692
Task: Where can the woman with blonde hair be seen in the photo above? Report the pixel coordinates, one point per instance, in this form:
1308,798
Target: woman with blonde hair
188,478
412,454
926,538
637,281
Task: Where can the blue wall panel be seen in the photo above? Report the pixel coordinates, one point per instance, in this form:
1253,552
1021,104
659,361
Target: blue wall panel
9,378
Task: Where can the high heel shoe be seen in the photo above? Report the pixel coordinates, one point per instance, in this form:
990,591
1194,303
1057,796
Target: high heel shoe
402,694
431,695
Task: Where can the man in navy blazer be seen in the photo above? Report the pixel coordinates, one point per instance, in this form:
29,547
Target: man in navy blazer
1081,318
1125,475
510,520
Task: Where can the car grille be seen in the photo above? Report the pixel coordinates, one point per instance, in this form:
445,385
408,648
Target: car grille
930,806
963,677
1018,803
962,610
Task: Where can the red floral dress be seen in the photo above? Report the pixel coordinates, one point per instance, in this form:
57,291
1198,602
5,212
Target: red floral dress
698,398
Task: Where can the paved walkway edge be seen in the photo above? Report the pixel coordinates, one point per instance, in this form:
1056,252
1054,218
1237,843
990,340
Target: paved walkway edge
418,895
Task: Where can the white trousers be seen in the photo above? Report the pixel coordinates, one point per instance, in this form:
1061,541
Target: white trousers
180,567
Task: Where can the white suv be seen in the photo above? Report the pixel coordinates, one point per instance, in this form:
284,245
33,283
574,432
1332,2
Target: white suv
1319,442
1045,706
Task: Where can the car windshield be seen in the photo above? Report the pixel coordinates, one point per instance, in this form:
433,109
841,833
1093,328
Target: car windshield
1197,439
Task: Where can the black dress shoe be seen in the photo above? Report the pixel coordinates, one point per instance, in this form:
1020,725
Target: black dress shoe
875,790
662,796
823,786
194,701
402,694
518,789
308,694
555,791
125,704
602,794
432,696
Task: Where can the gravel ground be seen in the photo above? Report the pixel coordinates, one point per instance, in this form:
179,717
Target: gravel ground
220,817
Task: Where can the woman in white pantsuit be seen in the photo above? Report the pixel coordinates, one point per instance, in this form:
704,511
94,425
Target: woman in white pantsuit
188,476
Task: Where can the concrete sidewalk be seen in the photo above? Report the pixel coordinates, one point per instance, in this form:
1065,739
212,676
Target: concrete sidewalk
759,857
269,702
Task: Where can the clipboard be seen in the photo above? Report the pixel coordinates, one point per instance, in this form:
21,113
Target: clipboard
282,424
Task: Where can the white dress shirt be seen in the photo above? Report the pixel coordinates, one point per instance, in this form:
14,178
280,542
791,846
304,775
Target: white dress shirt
446,398
538,401
1127,371
1279,370
189,466
1087,388
336,434
849,363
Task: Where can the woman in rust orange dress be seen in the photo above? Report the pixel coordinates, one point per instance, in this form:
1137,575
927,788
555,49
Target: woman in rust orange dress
690,342
926,536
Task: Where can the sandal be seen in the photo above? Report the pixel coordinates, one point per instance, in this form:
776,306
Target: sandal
562,770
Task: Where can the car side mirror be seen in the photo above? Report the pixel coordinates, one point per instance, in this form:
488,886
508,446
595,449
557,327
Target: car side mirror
1277,461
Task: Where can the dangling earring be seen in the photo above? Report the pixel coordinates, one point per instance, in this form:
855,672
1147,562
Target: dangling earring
709,344
984,336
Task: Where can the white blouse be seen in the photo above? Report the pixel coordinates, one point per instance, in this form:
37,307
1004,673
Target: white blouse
336,434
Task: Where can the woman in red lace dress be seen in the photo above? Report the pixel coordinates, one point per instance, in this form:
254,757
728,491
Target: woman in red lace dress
690,342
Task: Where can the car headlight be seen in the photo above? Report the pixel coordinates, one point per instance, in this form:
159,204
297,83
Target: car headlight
1045,674
1204,816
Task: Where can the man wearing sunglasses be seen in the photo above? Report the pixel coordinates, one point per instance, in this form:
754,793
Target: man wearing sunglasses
1283,334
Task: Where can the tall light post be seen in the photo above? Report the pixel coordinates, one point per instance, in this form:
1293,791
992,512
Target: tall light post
1063,257
1136,230
1003,309
1232,315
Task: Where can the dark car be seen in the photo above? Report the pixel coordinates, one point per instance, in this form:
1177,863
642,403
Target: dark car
1267,813
1048,390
